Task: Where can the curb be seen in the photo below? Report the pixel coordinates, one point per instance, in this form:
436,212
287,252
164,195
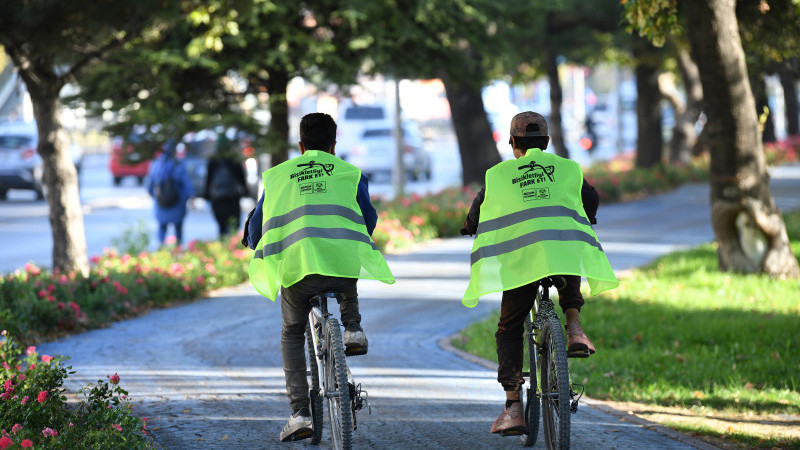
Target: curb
446,344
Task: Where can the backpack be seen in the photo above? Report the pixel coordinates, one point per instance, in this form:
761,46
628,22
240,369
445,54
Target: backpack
166,190
224,184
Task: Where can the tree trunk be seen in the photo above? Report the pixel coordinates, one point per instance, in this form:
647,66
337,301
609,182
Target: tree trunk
789,83
759,86
278,131
649,141
684,135
749,228
474,134
554,123
60,176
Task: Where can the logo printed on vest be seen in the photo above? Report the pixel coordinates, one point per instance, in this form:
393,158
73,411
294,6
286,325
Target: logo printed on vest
535,173
536,194
312,169
316,187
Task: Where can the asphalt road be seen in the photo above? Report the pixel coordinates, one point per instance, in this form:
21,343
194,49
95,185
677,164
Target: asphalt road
208,374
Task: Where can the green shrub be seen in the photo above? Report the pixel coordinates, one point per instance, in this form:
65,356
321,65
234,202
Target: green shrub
34,410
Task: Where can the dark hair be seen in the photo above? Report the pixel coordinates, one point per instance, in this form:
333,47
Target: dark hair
317,131
527,142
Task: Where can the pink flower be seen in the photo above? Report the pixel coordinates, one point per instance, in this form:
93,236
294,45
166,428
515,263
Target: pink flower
47,432
46,359
32,269
30,351
42,293
94,259
200,279
117,426
16,428
8,385
6,442
25,400
43,396
187,288
21,377
26,443
211,269
114,378
5,366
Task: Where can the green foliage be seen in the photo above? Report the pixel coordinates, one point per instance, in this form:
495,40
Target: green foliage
653,19
133,240
34,410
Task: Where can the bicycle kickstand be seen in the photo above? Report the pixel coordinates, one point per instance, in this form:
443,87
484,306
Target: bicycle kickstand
573,405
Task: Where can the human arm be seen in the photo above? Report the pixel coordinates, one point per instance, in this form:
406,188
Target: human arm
252,225
591,201
474,214
367,210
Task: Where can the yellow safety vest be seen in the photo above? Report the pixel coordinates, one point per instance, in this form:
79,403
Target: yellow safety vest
532,225
312,224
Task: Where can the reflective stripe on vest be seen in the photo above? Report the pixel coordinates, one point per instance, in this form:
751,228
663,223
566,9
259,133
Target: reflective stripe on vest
532,238
312,224
312,232
532,225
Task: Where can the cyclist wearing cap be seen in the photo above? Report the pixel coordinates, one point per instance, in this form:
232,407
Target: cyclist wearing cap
533,219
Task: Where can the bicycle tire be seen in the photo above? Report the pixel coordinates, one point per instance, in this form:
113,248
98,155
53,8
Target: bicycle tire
337,391
314,392
532,403
554,373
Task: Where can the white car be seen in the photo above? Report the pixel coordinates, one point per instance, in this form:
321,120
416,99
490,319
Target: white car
375,152
20,163
353,120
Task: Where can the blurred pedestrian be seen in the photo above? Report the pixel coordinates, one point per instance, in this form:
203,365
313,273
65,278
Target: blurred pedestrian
225,186
169,184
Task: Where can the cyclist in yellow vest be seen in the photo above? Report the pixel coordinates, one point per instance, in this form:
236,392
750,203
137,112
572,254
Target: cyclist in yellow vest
311,232
533,219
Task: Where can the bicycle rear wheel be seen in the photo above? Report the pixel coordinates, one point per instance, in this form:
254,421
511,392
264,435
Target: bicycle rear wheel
337,391
554,373
532,405
314,392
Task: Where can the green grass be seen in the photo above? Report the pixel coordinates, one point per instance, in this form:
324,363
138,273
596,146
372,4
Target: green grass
680,333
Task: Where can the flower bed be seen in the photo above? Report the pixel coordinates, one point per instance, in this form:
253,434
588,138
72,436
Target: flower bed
34,412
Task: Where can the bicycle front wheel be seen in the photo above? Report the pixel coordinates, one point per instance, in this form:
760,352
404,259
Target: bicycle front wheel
315,394
554,373
532,405
337,391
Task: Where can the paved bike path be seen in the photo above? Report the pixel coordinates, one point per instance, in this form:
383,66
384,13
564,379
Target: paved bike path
208,374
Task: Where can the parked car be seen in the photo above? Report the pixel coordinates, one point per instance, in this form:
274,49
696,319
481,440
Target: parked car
21,167
126,160
353,120
376,150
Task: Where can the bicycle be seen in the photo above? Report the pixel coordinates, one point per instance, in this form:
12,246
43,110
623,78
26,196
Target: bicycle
330,377
547,355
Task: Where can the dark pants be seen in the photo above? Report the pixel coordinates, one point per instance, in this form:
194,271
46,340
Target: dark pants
295,307
162,232
515,306
228,213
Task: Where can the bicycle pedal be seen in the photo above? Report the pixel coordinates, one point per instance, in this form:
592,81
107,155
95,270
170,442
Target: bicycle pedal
301,434
355,351
512,433
579,354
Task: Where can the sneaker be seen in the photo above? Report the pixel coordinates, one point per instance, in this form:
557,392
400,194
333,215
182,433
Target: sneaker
298,427
355,341
510,421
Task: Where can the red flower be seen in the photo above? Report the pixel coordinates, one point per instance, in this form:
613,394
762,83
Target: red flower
24,400
26,443
47,358
6,442
114,378
43,397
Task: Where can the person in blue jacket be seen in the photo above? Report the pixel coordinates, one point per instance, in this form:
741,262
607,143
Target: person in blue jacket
166,165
